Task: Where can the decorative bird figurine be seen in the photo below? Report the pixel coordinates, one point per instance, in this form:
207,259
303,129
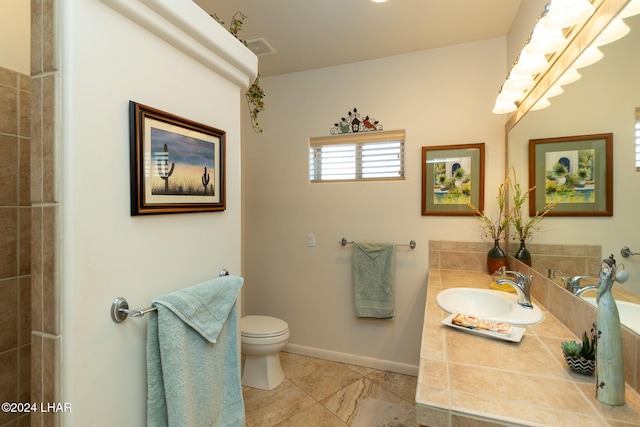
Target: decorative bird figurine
368,124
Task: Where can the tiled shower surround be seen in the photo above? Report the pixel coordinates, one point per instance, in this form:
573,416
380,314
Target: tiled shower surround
45,205
15,243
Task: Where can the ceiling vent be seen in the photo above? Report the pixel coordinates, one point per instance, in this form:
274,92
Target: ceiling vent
260,47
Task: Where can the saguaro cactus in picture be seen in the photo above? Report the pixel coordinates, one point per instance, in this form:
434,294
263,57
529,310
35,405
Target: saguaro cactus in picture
205,180
164,171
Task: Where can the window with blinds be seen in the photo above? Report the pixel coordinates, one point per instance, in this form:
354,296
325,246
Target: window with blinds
638,139
357,157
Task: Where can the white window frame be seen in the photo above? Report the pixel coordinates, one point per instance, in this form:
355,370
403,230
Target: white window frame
637,138
350,151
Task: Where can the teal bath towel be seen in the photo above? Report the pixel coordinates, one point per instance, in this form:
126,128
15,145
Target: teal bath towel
193,370
373,267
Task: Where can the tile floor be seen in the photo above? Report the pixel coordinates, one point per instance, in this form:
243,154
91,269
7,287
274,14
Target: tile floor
319,393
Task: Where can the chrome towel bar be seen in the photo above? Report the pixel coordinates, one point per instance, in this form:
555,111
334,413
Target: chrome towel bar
626,252
412,243
120,307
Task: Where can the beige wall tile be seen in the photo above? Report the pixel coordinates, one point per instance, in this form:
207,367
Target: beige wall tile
50,36
36,37
36,268
9,110
9,306
24,241
8,242
36,141
8,77
9,168
24,113
49,106
24,373
36,375
50,318
24,177
8,383
24,325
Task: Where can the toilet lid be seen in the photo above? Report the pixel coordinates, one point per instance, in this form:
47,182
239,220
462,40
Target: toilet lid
262,326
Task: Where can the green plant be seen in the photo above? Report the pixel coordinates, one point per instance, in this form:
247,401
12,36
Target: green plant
255,94
571,348
586,349
524,227
494,228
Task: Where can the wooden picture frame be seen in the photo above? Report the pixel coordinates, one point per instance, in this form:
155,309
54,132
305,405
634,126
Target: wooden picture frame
452,176
177,165
574,171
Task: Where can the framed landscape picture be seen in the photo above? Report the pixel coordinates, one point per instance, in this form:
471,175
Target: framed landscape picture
576,172
452,177
177,165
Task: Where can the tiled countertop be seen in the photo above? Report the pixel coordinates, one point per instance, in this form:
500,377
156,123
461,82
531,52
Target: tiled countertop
464,376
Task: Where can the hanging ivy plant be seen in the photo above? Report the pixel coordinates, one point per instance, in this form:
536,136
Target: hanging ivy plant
254,94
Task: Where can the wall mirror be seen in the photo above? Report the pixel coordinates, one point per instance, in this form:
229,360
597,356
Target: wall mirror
604,100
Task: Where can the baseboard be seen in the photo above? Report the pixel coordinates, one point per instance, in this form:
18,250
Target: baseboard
353,359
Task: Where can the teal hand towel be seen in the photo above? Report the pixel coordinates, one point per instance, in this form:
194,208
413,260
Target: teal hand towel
193,370
373,269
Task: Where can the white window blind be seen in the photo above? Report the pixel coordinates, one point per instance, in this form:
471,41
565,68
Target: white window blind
638,139
358,156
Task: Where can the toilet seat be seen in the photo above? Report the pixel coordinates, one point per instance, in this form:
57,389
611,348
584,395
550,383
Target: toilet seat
262,327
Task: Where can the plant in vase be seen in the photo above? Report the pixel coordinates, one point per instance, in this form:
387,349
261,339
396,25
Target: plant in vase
495,229
524,227
581,357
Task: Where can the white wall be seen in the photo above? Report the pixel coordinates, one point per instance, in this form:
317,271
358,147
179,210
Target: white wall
15,38
439,97
107,61
603,101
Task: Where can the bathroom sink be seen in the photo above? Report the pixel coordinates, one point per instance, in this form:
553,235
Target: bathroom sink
629,313
488,304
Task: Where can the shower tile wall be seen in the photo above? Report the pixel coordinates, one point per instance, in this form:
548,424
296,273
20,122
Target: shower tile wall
15,242
45,205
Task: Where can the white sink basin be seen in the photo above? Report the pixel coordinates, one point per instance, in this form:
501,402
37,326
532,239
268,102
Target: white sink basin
488,304
629,313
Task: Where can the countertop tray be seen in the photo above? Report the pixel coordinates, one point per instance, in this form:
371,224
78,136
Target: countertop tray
515,336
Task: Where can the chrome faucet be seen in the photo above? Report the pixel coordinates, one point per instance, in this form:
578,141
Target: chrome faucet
573,285
522,285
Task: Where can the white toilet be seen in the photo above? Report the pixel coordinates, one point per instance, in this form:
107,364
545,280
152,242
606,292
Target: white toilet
262,338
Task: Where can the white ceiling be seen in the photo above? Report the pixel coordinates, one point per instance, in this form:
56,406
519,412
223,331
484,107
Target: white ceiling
309,34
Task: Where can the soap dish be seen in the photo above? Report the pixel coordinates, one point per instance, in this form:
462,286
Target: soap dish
515,336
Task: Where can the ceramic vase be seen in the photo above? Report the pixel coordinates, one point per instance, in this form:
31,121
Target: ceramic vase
496,258
580,364
523,255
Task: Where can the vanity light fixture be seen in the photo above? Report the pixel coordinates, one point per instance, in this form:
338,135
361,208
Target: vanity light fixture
548,38
567,13
632,8
544,38
612,32
540,104
590,56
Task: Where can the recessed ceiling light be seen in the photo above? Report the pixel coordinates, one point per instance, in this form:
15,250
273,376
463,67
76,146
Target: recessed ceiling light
378,1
